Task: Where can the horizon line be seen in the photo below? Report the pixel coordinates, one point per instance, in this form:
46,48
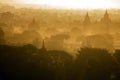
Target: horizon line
37,6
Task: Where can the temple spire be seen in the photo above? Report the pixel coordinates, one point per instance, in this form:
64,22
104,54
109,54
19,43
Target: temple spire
43,49
43,45
106,19
87,20
106,15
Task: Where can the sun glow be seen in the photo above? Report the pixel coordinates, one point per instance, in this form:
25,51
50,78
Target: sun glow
84,4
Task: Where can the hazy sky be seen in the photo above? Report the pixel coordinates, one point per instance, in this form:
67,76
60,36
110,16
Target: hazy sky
71,3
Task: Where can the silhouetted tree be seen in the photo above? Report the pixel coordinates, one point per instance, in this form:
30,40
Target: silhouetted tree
26,62
2,40
95,64
117,55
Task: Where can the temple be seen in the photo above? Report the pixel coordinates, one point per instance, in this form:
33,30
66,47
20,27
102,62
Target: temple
43,49
106,19
87,21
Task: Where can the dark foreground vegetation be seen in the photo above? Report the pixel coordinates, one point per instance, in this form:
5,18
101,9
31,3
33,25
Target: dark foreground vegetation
29,63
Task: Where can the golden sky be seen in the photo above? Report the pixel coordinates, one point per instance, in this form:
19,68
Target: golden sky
87,4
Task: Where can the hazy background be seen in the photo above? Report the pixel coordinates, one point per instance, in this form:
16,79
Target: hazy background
59,40
62,29
75,4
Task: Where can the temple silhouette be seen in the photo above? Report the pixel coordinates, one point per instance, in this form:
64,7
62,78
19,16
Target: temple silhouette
105,20
87,20
98,33
43,48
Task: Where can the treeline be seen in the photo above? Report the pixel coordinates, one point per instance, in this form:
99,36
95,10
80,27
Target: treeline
29,63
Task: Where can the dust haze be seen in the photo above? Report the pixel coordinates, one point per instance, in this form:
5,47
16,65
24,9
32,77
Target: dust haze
61,29
59,44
